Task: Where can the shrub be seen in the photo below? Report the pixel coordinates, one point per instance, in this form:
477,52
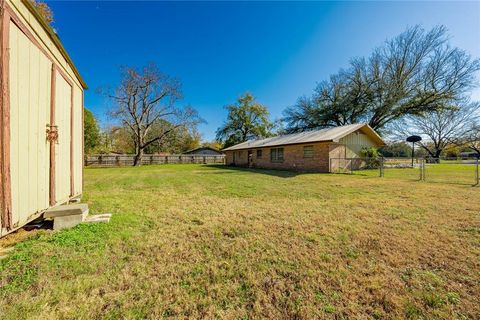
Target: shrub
372,157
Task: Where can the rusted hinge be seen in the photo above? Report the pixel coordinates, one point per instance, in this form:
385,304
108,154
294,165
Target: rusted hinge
52,133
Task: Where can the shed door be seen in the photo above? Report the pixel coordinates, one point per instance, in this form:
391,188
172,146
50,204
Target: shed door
63,108
29,83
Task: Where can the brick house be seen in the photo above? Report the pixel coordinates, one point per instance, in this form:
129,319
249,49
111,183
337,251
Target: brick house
305,151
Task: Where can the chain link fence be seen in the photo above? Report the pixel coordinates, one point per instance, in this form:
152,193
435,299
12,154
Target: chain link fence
443,170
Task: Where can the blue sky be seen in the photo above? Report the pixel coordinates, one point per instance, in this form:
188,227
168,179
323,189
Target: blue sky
276,50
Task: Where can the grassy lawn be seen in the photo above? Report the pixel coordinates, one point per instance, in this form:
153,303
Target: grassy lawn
192,241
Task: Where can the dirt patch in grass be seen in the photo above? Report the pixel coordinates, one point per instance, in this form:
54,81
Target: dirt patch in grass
16,237
191,241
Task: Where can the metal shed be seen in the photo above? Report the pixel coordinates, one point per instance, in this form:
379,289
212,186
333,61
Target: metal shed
41,105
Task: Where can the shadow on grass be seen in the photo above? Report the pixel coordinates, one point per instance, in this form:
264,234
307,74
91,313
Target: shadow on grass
270,172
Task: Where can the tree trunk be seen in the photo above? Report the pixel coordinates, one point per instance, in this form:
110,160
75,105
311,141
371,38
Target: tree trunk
137,161
436,156
139,146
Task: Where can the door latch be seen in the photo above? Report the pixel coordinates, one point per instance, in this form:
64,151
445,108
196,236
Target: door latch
52,133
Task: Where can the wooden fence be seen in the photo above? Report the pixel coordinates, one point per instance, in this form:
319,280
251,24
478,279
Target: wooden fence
117,160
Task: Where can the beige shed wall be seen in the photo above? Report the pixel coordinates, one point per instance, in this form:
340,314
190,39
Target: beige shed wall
30,73
42,37
77,140
63,93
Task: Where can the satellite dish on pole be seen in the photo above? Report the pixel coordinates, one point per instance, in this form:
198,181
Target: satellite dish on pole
414,139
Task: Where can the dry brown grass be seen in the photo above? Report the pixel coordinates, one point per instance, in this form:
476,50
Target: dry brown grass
208,242
13,238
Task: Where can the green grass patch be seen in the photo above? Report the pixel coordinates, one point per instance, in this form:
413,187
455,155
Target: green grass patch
196,241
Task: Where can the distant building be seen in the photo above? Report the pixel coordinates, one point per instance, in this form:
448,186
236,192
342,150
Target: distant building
305,151
469,155
204,151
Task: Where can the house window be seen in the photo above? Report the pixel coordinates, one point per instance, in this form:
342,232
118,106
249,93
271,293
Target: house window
308,152
259,154
276,155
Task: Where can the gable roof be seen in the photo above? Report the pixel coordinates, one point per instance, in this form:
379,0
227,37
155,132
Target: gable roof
202,148
322,135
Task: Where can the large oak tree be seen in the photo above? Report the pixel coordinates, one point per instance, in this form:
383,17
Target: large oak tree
413,74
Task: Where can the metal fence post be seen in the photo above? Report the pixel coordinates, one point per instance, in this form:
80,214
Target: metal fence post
422,169
382,167
477,173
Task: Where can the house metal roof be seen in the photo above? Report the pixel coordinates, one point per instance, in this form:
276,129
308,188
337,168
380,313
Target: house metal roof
323,135
202,148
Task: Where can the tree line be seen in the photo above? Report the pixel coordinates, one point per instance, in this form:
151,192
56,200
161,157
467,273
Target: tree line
415,83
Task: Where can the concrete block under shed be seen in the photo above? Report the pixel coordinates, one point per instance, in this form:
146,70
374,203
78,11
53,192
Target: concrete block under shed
66,210
67,216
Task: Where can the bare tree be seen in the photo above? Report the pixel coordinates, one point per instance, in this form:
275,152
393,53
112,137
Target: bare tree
472,137
440,128
142,99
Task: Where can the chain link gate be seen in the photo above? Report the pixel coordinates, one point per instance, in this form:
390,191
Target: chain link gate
442,170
